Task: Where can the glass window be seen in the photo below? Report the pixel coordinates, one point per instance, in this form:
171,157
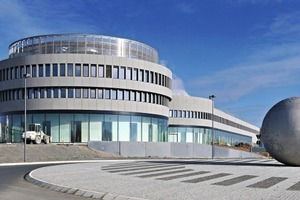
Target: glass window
132,95
48,92
16,94
138,96
96,127
141,75
116,72
55,92
179,113
62,69
70,69
121,95
170,113
122,72
148,98
93,71
85,70
70,92
34,71
126,95
11,73
6,73
48,70
42,93
159,79
16,73
62,92
53,128
100,93
143,96
151,77
28,69
55,69
107,93
93,93
77,93
108,71
128,73
135,74
85,93
175,113
156,78
41,70
65,126
101,71
77,69
21,72
29,93
147,76
114,94
36,93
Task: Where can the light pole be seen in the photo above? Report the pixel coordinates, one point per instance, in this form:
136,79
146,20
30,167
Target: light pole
25,76
211,97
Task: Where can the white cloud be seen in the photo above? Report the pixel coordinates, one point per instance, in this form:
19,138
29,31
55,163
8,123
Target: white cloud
163,63
287,23
178,86
275,63
236,82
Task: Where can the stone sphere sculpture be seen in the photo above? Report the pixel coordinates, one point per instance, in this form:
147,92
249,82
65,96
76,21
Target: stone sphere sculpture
280,131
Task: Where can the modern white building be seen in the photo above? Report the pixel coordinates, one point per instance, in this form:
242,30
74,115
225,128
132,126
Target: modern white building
190,120
83,87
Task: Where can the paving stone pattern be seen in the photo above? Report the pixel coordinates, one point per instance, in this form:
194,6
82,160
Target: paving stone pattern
172,172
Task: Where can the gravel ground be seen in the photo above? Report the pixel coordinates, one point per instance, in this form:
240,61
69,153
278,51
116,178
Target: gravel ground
13,153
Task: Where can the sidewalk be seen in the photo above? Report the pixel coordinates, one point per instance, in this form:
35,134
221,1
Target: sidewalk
173,179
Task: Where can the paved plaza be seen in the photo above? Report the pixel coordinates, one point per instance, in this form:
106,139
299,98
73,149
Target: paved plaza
174,179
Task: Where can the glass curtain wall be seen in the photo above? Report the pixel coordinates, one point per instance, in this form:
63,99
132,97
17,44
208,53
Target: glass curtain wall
204,136
76,128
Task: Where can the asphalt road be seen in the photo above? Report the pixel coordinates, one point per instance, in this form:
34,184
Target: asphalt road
14,187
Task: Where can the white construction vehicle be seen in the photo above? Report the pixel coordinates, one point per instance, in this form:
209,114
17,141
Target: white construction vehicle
36,135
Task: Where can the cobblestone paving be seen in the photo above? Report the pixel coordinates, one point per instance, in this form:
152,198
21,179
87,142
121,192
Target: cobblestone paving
176,179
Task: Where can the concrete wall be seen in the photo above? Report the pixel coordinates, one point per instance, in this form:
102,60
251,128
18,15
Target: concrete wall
168,150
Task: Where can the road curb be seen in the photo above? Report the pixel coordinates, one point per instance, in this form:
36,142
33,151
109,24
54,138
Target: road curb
76,191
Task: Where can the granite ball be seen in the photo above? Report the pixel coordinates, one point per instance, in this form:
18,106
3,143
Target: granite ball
280,131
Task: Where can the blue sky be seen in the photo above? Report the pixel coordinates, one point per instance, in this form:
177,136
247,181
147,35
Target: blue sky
245,52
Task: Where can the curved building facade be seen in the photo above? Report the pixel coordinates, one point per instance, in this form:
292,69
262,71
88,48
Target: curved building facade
82,88
85,87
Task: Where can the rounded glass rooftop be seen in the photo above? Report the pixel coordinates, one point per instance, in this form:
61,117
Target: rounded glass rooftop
82,44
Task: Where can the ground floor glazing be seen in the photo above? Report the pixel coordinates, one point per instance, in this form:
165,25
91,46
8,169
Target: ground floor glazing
203,135
84,127
77,127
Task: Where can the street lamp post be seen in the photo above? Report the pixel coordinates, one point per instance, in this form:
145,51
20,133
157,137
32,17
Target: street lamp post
25,114
211,97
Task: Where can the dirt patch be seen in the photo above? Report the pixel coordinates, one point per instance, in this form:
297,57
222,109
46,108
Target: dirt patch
13,153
